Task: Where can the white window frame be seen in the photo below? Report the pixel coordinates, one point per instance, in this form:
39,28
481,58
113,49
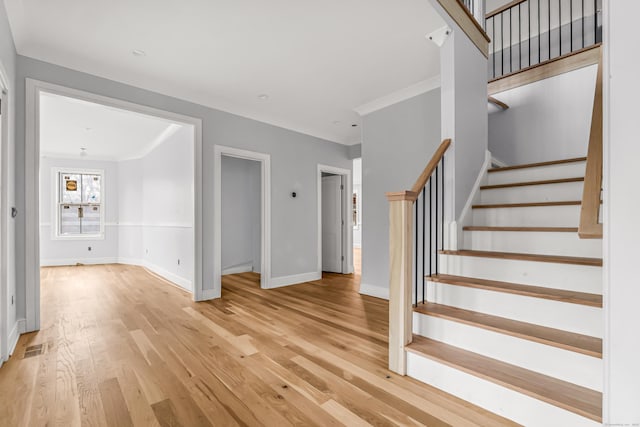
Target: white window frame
55,212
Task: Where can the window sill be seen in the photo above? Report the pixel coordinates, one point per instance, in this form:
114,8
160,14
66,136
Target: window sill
79,237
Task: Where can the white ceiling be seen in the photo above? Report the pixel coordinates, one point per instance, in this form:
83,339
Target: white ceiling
69,124
317,60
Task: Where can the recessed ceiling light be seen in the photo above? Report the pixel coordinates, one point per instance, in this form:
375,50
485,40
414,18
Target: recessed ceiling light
336,122
354,125
263,97
88,129
83,151
139,52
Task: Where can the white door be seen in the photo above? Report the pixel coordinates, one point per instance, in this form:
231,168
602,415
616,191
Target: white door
332,223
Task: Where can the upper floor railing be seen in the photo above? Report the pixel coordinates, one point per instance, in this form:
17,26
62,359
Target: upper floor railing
525,33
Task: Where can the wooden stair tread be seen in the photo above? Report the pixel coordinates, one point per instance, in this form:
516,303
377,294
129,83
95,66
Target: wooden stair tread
528,183
562,295
534,165
558,259
568,396
527,229
528,204
571,341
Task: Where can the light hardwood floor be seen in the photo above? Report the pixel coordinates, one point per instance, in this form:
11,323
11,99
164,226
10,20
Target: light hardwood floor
121,347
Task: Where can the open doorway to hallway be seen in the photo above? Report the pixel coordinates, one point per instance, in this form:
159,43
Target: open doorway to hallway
116,187
335,237
241,217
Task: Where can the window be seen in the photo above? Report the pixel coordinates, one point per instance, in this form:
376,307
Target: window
79,209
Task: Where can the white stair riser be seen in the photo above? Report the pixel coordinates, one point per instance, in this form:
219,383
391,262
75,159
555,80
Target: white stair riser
577,318
565,365
533,242
533,193
495,398
579,278
564,170
533,216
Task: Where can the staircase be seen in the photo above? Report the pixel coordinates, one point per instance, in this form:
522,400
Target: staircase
513,321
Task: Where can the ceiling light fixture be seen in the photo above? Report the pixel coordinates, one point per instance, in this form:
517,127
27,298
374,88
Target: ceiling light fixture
139,52
354,125
263,97
83,152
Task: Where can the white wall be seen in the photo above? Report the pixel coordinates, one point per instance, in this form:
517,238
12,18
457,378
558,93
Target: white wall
546,120
70,252
241,208
397,143
621,210
357,187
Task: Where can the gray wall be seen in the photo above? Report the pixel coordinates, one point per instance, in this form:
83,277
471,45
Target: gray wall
294,159
546,120
241,203
8,62
398,141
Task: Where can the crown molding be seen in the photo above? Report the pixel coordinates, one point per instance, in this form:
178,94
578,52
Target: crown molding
398,96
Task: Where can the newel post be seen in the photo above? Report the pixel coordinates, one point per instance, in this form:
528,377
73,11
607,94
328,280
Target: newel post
400,268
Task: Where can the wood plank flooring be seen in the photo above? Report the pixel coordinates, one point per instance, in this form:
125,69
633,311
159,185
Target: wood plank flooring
121,347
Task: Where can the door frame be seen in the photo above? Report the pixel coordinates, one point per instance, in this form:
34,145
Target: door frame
33,88
265,213
5,217
347,230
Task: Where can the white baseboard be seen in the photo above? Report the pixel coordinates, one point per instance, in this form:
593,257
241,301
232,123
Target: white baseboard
374,291
498,162
184,283
18,329
277,282
466,214
74,261
236,269
209,294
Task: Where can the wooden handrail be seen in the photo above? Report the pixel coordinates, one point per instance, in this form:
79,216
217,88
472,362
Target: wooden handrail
498,103
431,166
503,8
590,227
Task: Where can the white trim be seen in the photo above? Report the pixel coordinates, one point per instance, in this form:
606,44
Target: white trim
398,96
55,209
14,336
374,291
498,162
474,197
295,279
32,170
73,261
208,294
182,282
347,229
265,209
5,217
236,269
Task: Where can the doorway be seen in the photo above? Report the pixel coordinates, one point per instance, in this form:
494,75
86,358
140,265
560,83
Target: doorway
264,162
334,220
241,211
96,224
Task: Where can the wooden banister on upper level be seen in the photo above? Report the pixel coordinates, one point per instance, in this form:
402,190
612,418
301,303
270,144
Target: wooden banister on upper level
590,226
465,20
402,258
